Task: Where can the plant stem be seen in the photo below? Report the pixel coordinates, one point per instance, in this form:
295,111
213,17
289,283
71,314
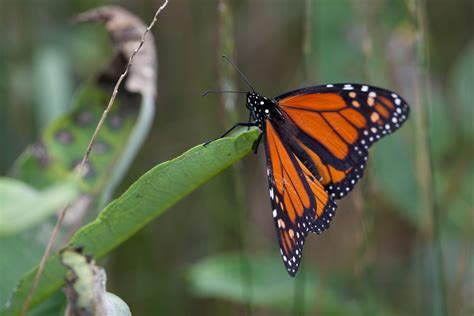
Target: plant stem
227,74
427,184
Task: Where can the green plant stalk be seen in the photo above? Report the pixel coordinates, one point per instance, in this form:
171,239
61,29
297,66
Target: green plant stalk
226,72
147,198
367,192
227,75
427,184
307,44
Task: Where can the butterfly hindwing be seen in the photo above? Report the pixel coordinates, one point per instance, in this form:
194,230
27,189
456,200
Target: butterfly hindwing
336,125
300,204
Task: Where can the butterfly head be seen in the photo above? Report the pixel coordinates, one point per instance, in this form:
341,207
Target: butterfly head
260,107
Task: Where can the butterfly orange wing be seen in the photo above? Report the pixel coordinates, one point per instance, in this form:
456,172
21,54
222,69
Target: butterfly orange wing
299,201
334,125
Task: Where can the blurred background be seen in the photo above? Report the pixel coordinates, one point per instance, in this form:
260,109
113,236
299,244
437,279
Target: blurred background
401,243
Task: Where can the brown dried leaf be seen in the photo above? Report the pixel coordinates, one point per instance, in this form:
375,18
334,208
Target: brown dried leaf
126,31
85,287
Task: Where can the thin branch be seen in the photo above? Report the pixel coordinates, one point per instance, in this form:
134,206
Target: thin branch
84,160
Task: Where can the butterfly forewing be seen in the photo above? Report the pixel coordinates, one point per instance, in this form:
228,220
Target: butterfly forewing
336,126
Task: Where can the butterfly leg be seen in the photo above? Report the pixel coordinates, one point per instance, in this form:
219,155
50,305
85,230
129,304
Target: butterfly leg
257,143
230,130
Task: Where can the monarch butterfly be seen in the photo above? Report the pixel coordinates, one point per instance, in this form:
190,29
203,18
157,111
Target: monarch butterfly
316,145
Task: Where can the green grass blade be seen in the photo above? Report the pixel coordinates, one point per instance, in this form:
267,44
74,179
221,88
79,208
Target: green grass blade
147,198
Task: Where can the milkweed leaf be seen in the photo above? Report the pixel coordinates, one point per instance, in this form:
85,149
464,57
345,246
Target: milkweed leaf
147,198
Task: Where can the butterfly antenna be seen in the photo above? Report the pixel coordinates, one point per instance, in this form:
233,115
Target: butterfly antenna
222,91
240,72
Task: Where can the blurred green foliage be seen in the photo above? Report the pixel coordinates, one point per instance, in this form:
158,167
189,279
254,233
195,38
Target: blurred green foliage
23,206
146,199
377,258
223,277
46,169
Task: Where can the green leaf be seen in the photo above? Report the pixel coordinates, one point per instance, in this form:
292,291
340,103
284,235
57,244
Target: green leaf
147,198
19,254
261,280
53,306
63,142
23,206
268,284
